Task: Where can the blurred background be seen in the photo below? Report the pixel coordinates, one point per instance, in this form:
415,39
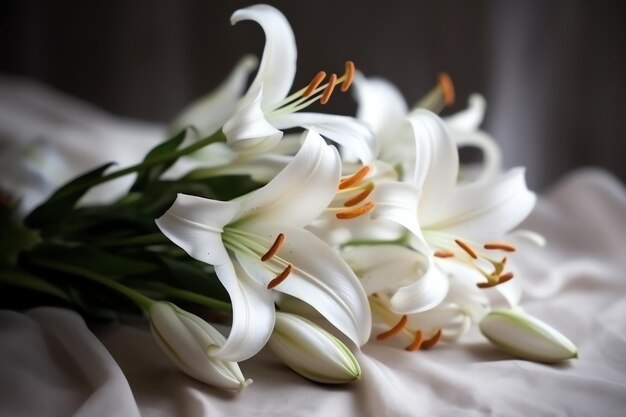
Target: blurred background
552,71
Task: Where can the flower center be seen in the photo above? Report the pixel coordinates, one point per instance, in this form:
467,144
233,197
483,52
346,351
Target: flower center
464,252
316,90
402,326
253,245
352,191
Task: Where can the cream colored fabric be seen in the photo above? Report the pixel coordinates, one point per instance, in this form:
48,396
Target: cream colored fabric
53,365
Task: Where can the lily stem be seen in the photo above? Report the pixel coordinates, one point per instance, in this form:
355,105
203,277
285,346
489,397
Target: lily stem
140,299
150,239
215,137
185,295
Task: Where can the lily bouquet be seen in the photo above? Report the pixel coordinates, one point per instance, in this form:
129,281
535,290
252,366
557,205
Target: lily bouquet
312,233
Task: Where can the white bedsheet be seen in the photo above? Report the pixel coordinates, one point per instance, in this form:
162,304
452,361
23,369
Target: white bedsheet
52,364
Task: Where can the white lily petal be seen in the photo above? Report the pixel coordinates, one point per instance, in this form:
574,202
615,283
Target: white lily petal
529,235
312,352
527,337
278,64
196,224
423,294
397,202
437,161
346,131
484,210
381,106
248,131
492,156
209,113
261,168
301,191
468,120
253,314
384,267
445,315
319,277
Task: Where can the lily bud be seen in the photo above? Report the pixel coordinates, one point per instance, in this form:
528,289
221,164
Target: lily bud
526,337
186,338
312,351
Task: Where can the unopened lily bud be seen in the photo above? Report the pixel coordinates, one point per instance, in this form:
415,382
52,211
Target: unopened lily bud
312,351
186,338
526,337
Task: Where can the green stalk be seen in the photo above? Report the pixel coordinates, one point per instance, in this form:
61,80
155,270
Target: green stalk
140,299
185,295
216,137
145,240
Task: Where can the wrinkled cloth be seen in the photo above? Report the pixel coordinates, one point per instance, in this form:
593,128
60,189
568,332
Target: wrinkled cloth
52,364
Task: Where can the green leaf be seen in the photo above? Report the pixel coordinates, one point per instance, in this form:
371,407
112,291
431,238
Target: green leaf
89,259
14,237
58,207
147,176
22,279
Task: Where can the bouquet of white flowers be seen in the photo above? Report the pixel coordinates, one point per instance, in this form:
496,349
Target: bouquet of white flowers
305,231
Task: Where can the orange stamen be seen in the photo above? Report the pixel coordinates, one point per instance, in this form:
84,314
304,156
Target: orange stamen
501,280
432,341
416,343
447,88
280,277
274,248
329,89
315,82
359,197
467,248
443,253
500,246
354,178
394,330
506,277
349,74
355,212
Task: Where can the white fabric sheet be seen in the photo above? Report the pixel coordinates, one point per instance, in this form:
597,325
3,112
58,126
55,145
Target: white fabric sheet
52,364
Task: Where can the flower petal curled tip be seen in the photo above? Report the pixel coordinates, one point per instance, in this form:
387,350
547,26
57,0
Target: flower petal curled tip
312,352
278,64
526,337
185,338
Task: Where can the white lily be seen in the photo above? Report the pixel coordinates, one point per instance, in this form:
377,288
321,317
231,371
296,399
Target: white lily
312,352
526,337
257,244
449,221
383,108
255,122
186,338
463,305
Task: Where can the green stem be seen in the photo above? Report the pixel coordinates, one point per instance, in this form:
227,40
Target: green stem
151,239
31,282
401,241
141,300
216,137
186,295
